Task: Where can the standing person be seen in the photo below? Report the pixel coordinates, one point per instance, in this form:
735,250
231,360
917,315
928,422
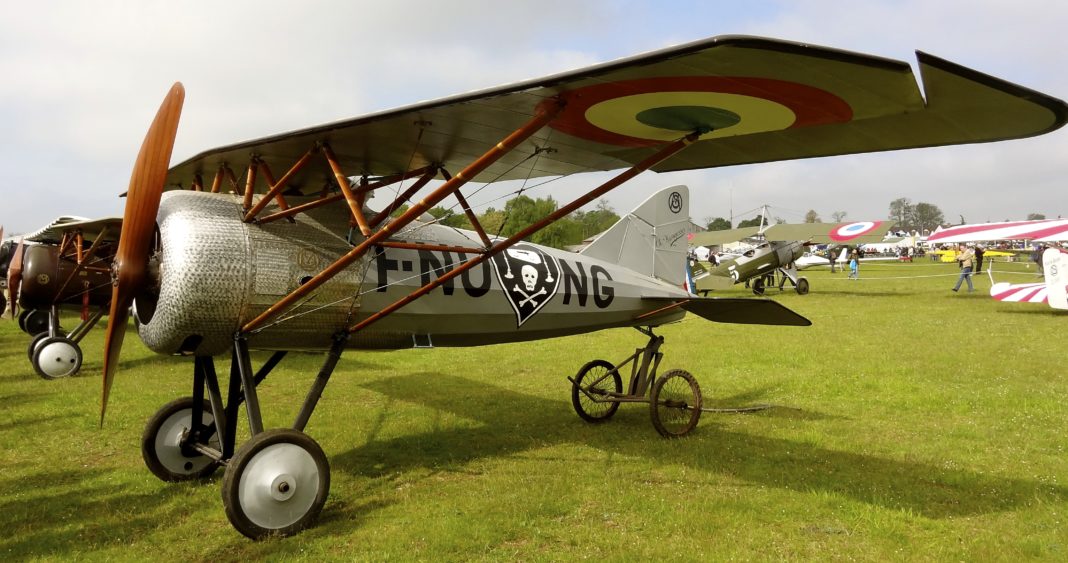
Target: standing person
854,263
830,257
966,259
979,250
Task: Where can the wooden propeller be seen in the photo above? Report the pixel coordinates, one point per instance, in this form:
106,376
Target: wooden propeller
14,278
138,225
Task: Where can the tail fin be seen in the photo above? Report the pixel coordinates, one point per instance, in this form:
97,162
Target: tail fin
1055,265
652,239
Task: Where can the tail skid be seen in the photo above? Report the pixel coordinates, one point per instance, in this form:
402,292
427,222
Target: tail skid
652,239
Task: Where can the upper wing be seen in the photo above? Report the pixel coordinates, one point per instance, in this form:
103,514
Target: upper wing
1051,229
763,99
828,233
90,228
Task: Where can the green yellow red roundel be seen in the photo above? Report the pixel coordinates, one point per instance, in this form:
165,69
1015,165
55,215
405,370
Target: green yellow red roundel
651,111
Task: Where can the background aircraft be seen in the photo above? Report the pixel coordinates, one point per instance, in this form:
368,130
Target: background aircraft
64,266
1053,291
777,255
229,272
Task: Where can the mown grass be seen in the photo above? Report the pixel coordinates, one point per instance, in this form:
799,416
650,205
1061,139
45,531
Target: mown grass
908,423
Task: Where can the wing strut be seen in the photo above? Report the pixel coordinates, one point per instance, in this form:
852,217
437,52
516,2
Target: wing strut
604,188
546,112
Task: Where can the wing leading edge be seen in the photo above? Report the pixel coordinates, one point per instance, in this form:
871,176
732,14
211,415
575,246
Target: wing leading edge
763,100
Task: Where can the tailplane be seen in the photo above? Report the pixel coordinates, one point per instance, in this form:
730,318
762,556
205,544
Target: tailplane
652,239
1055,265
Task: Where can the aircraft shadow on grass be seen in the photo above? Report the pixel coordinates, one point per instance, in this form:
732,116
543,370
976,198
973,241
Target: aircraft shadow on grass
931,491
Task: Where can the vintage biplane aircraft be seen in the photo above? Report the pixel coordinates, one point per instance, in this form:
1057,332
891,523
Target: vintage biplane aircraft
1054,261
773,262
1053,291
263,267
64,266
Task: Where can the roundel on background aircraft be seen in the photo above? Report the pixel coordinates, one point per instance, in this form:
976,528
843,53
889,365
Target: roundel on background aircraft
651,111
853,230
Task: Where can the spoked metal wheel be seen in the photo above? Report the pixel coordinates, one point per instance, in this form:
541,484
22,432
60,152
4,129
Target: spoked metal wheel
675,403
758,286
802,286
595,380
55,357
161,443
276,484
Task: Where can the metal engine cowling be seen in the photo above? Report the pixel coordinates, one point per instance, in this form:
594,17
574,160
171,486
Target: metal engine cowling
216,272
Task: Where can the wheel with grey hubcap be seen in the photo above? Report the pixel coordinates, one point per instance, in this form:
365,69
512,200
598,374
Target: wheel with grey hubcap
55,357
162,448
276,484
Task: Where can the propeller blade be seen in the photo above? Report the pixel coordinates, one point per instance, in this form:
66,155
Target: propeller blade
138,228
14,278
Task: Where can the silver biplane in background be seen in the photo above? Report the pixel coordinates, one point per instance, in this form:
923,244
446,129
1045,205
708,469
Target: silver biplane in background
298,261
773,261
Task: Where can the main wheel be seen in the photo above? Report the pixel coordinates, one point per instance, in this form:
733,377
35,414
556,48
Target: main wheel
758,286
802,286
675,403
276,484
34,322
32,348
56,356
597,380
161,443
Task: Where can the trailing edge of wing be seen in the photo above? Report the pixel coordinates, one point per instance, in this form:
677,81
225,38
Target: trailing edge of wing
763,100
740,311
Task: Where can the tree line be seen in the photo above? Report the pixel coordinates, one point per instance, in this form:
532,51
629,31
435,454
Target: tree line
521,211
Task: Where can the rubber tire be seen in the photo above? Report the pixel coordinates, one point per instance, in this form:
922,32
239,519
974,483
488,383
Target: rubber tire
150,450
73,363
802,286
577,396
758,286
252,457
32,348
22,320
36,322
660,413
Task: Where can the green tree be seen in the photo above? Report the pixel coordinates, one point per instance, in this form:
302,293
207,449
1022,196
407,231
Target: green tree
902,212
1035,216
812,217
451,217
838,216
754,222
718,224
926,216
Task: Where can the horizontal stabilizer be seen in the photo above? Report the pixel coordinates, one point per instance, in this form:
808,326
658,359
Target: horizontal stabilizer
741,311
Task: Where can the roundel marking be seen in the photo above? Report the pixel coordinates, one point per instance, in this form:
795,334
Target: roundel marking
649,111
853,230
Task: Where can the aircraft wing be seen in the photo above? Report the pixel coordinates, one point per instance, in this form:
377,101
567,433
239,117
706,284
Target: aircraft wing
764,99
90,228
1044,230
1020,292
854,232
712,238
740,311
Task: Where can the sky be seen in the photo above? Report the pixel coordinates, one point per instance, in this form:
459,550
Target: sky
82,81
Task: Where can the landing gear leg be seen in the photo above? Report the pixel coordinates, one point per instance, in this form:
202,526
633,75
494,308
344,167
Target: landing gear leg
277,483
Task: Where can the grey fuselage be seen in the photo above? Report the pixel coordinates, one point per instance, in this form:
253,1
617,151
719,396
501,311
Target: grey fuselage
216,272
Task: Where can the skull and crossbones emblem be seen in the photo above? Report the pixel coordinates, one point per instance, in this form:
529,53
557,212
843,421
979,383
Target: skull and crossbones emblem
529,277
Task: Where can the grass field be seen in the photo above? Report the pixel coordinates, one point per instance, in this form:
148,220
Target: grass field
908,423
